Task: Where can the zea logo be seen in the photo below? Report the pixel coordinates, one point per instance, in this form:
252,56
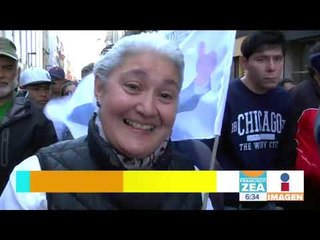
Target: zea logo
253,185
285,186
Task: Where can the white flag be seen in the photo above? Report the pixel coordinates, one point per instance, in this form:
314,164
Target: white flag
81,107
73,112
208,58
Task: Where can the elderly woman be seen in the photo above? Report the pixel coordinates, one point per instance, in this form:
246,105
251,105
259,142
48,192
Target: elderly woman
137,84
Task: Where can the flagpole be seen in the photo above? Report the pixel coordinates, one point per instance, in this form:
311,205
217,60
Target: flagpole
211,167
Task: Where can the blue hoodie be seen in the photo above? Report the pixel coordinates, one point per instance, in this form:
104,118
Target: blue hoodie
254,127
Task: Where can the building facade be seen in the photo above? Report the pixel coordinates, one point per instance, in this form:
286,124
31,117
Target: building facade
29,46
38,48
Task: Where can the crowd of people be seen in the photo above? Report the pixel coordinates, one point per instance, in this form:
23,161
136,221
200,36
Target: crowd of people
269,123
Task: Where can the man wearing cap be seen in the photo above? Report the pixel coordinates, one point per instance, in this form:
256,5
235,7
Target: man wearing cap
37,82
58,78
24,129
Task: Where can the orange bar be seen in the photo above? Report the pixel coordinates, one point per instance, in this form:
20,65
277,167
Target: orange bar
76,181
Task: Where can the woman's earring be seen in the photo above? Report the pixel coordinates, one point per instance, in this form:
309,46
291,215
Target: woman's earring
98,104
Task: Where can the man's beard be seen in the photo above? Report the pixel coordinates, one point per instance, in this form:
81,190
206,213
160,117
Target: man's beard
7,90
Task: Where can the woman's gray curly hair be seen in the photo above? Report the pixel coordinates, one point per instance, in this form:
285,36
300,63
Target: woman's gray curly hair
134,44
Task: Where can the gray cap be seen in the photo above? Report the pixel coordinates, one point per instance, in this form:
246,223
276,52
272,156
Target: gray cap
8,48
34,75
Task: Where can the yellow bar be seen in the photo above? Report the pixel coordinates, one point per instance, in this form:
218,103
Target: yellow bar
169,181
76,181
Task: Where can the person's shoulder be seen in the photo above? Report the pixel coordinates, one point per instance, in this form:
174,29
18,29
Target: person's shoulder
196,151
35,109
27,105
280,95
234,83
36,113
13,200
63,146
302,86
235,87
30,163
303,89
278,92
22,107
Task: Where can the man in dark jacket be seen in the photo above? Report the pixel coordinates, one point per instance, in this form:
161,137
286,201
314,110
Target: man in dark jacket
306,99
23,127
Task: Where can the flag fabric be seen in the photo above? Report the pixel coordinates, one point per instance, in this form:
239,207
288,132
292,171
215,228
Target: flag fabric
56,111
208,58
81,107
74,112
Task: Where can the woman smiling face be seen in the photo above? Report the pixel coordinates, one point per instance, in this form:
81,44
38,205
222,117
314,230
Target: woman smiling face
139,102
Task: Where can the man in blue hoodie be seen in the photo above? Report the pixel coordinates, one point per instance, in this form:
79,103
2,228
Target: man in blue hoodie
256,114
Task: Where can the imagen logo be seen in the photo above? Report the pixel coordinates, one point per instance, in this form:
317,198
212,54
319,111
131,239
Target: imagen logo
285,186
285,182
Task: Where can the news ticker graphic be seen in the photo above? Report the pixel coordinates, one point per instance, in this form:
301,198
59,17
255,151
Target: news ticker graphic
251,185
116,181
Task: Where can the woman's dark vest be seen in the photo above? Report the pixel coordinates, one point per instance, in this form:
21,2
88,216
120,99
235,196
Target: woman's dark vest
93,153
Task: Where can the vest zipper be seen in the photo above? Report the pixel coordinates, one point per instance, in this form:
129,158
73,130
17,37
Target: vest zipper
4,157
